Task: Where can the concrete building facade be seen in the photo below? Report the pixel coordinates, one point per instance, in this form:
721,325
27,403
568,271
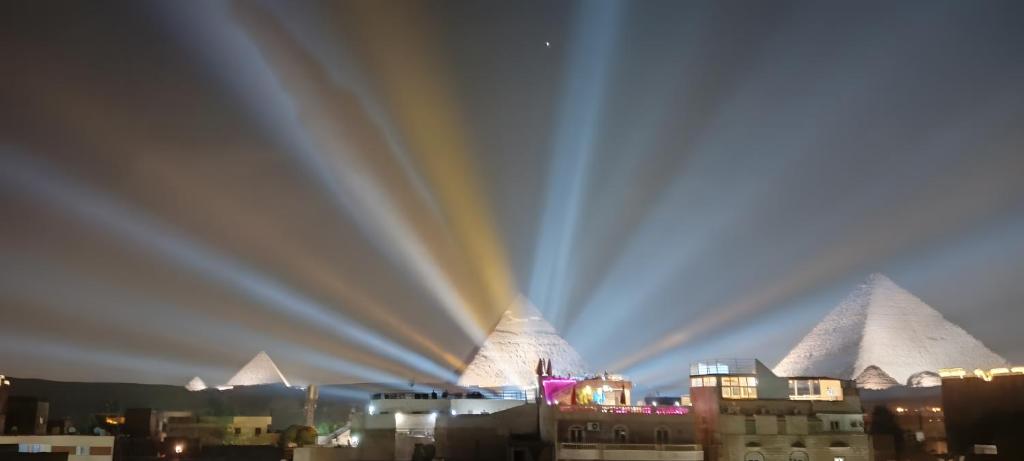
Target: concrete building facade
984,413
746,413
77,447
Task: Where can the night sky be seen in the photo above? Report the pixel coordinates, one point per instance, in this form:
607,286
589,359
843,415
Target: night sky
362,188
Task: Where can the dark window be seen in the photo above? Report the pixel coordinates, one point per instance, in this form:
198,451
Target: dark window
834,425
620,434
661,435
576,434
238,431
259,431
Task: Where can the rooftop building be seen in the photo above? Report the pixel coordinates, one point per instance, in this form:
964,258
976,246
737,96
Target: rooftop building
984,412
746,413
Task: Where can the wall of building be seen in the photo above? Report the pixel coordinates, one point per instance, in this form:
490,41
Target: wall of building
325,454
223,430
640,428
985,413
78,447
784,447
443,406
486,437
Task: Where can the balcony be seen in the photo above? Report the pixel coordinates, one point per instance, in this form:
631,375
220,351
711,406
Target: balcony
629,452
528,395
723,367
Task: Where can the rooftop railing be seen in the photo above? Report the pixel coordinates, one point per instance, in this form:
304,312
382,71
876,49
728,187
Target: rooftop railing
723,367
528,395
626,409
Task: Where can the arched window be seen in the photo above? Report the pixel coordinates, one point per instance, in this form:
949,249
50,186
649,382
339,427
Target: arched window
620,434
798,456
576,434
753,456
661,435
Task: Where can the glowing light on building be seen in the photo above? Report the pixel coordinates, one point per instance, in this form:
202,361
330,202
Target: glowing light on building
553,386
652,409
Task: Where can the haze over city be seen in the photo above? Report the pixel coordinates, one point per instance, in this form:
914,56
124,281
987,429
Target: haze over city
362,189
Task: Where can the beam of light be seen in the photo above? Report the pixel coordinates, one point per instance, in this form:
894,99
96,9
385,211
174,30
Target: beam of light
296,102
667,120
669,373
93,131
421,104
864,246
643,267
103,212
591,48
33,282
72,353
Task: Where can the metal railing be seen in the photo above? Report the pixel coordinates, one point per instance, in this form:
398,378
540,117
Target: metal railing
723,367
630,446
626,409
528,395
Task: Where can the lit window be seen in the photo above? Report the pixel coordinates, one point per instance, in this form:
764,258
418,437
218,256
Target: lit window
696,382
738,388
710,381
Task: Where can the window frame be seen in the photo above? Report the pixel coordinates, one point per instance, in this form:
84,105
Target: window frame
659,439
575,430
620,429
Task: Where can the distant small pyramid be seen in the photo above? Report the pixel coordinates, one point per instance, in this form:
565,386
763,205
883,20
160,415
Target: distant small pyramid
875,378
196,384
883,335
259,370
509,355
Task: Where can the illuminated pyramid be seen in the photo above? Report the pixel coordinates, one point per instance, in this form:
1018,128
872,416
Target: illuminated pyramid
882,335
509,355
196,384
259,370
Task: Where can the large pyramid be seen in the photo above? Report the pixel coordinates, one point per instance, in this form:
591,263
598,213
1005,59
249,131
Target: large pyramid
882,335
259,370
509,356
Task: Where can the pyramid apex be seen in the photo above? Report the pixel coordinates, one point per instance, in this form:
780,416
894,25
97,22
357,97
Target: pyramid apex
878,277
522,308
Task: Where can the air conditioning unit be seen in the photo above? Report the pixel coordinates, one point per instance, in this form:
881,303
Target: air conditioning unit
593,426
